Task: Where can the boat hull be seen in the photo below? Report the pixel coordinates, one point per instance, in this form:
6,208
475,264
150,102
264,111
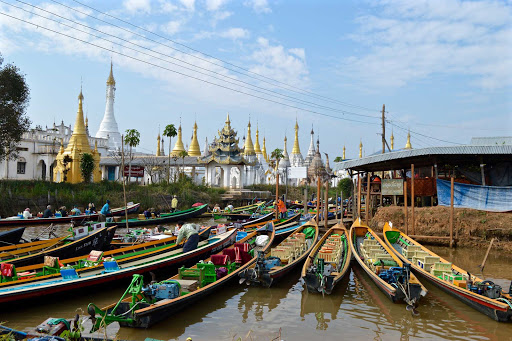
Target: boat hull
11,237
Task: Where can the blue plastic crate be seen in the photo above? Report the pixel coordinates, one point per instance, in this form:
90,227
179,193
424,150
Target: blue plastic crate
240,235
111,266
68,273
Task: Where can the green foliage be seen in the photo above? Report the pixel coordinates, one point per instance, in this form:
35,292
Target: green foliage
14,98
338,159
87,166
345,186
132,137
170,131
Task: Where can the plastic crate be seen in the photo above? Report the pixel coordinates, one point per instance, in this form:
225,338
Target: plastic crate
442,266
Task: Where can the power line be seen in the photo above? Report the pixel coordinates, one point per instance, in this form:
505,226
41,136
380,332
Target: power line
183,74
301,91
430,137
280,96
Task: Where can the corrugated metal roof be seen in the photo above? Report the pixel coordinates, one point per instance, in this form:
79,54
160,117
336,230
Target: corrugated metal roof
430,151
491,141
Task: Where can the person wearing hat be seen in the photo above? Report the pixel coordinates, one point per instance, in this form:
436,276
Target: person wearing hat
104,211
174,204
48,212
27,214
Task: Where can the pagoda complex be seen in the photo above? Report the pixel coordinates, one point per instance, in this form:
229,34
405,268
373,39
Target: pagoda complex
68,160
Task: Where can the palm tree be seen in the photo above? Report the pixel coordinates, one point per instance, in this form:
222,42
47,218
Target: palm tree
170,132
276,156
132,138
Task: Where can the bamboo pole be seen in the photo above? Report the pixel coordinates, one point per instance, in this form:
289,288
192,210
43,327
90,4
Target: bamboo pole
412,200
318,197
451,211
124,185
367,199
486,255
358,195
326,204
306,200
406,211
277,191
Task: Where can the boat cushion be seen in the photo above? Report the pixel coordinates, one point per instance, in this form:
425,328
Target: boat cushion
95,256
230,253
219,259
7,269
243,246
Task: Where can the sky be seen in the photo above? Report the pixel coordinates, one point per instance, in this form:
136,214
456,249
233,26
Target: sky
443,68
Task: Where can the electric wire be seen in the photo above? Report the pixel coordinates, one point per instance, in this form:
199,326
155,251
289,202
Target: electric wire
184,74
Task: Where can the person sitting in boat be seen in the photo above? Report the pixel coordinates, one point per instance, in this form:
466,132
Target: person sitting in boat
147,213
48,212
177,227
27,214
104,211
174,204
63,211
75,211
156,211
92,208
188,232
229,208
216,208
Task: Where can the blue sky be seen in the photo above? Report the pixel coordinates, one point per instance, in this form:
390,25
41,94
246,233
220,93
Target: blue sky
443,68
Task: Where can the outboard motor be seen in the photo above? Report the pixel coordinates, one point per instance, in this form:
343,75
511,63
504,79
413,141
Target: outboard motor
165,290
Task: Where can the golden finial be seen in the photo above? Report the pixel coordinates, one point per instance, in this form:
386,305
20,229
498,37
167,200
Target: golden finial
408,144
264,150
249,148
392,138
194,149
61,150
178,147
257,148
158,144
360,149
111,80
95,146
296,147
344,158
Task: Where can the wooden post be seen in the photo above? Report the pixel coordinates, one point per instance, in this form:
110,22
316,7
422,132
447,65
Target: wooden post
406,211
306,200
486,254
326,204
358,195
432,197
412,200
342,209
277,191
451,211
124,185
367,200
317,199
483,173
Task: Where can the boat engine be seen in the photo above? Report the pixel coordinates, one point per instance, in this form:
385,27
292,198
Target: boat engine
164,290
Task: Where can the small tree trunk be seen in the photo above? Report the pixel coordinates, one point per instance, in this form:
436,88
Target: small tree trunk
130,166
169,165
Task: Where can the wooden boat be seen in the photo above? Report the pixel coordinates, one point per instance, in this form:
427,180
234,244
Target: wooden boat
385,269
24,249
109,271
284,257
11,237
97,240
125,241
155,303
328,261
163,219
484,296
277,223
77,219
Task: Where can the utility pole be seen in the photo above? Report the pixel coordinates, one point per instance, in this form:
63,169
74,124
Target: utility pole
383,128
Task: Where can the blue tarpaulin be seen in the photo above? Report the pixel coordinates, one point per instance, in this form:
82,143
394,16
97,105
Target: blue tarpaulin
485,198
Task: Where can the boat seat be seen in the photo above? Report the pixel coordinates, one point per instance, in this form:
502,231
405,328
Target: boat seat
94,258
110,266
230,253
242,253
209,274
51,265
69,274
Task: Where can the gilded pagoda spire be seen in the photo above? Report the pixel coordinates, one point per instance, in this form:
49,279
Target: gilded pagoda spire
392,141
158,145
111,80
408,144
285,151
257,149
178,147
344,158
296,147
360,149
249,148
264,150
194,149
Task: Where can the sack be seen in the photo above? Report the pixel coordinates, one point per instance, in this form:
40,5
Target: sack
262,240
221,272
309,232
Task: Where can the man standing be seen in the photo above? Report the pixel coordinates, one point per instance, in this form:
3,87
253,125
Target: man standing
104,211
189,233
48,212
174,204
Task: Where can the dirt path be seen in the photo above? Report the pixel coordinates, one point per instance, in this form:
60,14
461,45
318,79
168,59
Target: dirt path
474,228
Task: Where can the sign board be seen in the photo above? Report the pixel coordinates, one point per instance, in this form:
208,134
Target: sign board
137,171
297,172
392,187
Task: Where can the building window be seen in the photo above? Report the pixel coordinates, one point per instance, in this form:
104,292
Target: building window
21,167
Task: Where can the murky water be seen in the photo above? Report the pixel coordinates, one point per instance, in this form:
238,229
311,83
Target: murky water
356,310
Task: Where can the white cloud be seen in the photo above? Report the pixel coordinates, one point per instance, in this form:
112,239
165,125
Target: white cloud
215,5
413,40
235,33
134,6
221,15
189,4
285,65
167,7
172,27
259,6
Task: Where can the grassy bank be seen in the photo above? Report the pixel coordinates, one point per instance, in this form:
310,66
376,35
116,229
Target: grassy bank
17,195
473,227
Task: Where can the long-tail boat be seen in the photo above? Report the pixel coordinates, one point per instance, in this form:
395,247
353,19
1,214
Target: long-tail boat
163,218
238,213
111,270
24,249
77,219
482,295
387,271
11,237
284,257
158,301
328,261
140,236
97,240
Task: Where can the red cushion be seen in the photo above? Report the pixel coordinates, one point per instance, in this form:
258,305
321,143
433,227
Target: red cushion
219,259
230,253
6,269
243,246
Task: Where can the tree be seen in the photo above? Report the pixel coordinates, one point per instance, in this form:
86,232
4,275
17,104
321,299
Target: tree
338,159
183,154
345,186
14,98
276,156
132,138
170,132
65,162
87,166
